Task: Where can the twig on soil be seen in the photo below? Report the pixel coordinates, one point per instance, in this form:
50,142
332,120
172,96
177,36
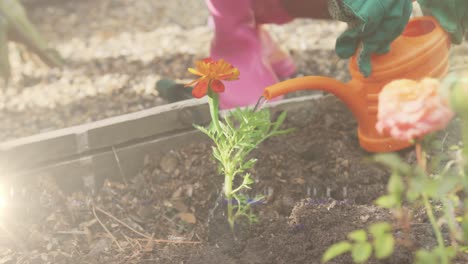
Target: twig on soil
139,245
72,232
149,247
135,245
107,230
123,223
170,241
122,174
128,240
146,237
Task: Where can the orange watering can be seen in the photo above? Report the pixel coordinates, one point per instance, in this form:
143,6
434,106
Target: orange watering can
421,51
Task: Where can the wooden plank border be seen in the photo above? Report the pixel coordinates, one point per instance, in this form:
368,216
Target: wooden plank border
84,156
39,150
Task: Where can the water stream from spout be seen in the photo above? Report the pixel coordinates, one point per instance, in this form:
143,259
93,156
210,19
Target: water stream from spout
260,103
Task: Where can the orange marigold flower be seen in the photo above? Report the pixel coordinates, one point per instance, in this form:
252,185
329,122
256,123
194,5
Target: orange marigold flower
409,110
212,73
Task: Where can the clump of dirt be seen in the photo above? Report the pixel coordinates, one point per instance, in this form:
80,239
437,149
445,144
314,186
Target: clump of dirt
319,185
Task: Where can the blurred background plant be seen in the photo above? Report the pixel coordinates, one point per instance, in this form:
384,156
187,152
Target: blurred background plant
437,184
15,26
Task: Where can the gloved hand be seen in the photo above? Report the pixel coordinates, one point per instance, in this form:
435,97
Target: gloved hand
14,25
372,27
451,14
172,91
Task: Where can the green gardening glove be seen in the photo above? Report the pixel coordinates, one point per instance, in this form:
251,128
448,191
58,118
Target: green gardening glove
451,14
172,91
14,25
372,27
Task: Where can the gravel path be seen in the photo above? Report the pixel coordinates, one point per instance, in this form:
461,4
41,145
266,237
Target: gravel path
115,52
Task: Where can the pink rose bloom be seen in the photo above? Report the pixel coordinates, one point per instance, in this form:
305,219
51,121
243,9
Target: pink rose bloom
409,109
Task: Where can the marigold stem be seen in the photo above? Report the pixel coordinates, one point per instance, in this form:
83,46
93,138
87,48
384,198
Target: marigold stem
213,102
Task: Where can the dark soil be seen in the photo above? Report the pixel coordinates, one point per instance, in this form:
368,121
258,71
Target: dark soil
319,185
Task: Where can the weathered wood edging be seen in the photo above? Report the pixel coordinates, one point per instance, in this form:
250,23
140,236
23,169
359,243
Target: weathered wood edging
85,155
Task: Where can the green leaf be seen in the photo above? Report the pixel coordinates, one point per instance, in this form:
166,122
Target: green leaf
384,246
279,121
412,196
464,225
248,180
336,250
454,147
426,257
361,252
393,161
450,252
431,187
436,256
416,187
395,184
444,186
282,132
202,129
387,201
379,229
249,164
464,249
358,236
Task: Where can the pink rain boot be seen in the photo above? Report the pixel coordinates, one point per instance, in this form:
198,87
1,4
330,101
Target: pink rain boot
237,40
280,61
268,12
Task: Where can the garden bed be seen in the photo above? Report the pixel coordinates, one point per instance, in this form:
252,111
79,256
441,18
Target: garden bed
134,182
318,183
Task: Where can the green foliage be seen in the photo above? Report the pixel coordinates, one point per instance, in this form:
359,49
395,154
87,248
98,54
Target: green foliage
395,184
235,137
464,224
387,201
394,162
15,26
361,247
361,252
384,243
358,236
442,183
413,185
395,189
436,256
336,250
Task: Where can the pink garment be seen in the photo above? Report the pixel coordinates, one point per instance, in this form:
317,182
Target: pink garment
270,11
240,40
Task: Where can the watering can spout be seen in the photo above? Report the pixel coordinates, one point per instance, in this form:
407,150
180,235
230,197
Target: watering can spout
347,93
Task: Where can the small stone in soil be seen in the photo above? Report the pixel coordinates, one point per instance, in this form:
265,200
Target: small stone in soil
169,163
